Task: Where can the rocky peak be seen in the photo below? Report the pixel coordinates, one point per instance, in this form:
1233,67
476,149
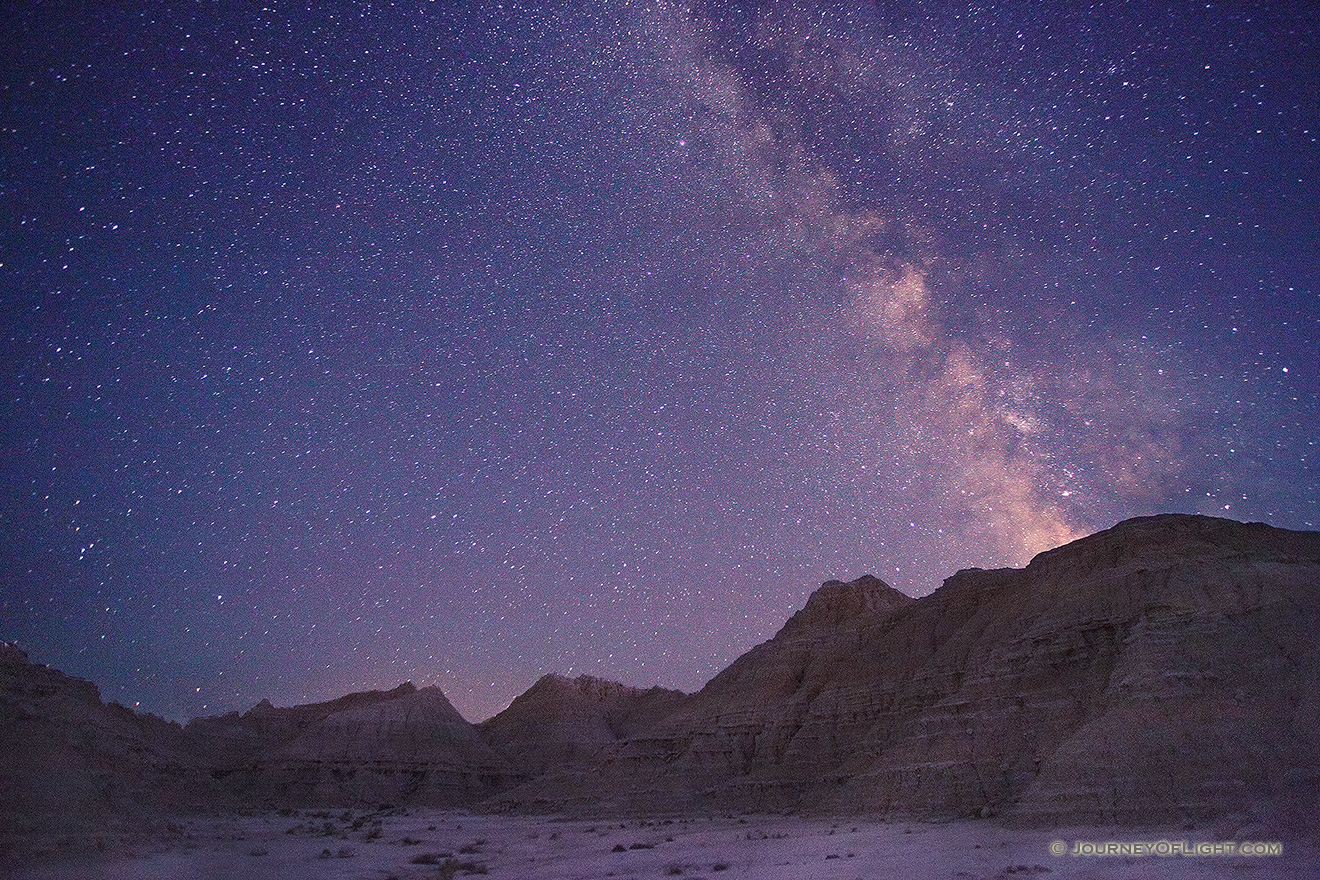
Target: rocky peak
1156,542
560,721
837,602
263,708
10,652
20,676
557,688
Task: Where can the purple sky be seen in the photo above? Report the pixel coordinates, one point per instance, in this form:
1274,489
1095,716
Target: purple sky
462,343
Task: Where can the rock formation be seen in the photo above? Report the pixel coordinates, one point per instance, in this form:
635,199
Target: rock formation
400,746
561,722
1163,670
68,759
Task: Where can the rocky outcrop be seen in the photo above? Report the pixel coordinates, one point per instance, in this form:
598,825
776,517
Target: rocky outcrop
1165,669
562,723
236,739
400,746
67,759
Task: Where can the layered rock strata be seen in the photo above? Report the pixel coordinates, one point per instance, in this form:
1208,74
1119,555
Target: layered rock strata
1163,669
561,723
67,758
400,746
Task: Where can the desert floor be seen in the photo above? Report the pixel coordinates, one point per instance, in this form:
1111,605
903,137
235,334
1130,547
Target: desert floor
414,844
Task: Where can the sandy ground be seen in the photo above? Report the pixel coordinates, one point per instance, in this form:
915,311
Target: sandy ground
415,844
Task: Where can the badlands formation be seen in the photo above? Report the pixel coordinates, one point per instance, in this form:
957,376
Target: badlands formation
1165,670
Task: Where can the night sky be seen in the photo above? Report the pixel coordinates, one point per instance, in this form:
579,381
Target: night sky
463,343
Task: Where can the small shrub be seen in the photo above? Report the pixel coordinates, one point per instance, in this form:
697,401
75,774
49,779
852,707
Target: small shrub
450,868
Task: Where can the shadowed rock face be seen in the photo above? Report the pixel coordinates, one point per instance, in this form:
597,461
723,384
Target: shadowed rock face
400,746
561,722
1165,669
66,758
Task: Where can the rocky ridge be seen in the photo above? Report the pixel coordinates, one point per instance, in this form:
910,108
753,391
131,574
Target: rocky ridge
1164,669
407,745
561,723
64,754
1161,670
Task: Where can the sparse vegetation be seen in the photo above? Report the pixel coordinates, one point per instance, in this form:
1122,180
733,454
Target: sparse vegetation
451,868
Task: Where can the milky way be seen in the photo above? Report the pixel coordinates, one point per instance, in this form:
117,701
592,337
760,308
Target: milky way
462,343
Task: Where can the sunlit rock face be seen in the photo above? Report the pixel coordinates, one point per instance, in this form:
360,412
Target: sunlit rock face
1163,669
